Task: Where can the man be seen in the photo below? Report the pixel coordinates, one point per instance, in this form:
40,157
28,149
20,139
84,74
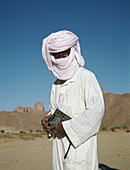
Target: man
77,93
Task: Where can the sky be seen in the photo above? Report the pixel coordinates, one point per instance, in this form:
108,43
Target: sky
103,28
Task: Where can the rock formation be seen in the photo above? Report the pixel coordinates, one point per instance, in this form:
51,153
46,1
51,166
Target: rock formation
23,109
38,107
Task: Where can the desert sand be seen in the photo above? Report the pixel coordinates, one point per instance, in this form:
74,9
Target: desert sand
34,153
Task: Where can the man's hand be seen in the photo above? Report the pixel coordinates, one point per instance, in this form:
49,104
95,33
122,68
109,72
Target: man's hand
59,130
44,123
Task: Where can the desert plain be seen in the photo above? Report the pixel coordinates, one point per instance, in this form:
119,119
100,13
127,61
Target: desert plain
34,151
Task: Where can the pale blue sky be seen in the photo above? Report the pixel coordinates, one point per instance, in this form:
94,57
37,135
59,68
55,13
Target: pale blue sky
103,30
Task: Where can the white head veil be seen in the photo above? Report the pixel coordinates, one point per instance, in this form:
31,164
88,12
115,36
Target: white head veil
63,68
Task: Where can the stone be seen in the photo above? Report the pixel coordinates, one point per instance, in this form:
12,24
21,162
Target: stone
29,109
38,107
23,109
19,109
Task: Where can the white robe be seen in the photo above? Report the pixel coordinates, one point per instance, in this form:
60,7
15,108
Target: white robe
81,98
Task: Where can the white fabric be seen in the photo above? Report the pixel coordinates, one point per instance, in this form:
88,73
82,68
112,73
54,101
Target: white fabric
63,66
81,98
58,42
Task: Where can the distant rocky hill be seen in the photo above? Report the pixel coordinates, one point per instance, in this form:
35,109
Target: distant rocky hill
117,113
22,118
117,110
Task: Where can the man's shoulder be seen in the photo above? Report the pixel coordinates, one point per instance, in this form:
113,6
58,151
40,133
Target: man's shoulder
85,72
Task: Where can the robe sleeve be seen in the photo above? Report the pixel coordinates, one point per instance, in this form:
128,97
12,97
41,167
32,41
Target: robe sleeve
52,102
82,127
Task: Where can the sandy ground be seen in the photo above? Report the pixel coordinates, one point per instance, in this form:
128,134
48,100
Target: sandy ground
35,153
114,150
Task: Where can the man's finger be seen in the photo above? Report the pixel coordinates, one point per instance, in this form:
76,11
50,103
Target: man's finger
46,119
52,127
50,115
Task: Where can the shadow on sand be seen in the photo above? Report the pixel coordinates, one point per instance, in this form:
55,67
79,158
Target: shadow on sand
105,167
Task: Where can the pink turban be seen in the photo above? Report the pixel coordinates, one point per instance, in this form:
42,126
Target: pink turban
63,68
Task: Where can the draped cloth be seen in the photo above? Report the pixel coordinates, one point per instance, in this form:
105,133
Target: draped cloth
80,98
63,68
